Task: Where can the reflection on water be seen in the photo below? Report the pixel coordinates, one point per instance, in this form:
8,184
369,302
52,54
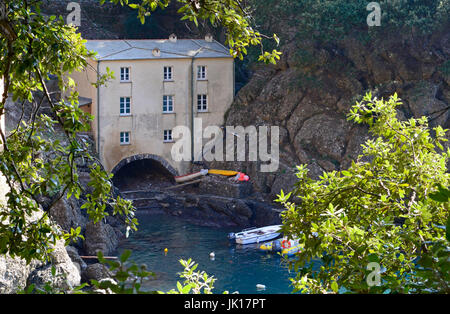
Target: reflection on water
235,268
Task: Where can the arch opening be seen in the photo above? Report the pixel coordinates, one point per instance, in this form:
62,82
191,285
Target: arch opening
139,173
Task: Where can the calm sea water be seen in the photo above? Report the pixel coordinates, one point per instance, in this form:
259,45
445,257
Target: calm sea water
235,268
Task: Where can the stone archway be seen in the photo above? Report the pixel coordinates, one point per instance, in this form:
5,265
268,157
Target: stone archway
143,172
157,158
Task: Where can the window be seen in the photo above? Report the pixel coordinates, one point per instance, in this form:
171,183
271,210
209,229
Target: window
168,73
124,138
124,74
167,103
202,103
201,72
125,103
168,136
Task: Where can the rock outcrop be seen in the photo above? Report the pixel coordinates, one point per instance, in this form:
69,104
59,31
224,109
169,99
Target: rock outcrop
310,91
61,273
16,274
214,201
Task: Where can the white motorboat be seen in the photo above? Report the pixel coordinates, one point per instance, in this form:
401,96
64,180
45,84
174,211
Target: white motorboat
256,235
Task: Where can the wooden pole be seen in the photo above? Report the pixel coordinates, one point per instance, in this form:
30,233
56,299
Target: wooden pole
96,257
183,184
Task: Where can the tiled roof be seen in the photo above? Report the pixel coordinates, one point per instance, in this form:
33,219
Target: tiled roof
143,49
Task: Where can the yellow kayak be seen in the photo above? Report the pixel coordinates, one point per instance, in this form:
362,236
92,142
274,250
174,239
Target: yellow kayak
223,172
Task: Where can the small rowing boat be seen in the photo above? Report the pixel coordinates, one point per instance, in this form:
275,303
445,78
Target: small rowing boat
226,173
255,235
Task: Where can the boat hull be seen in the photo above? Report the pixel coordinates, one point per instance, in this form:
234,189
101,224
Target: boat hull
257,239
258,235
285,246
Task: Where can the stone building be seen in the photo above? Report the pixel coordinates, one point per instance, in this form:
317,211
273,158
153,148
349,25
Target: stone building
158,85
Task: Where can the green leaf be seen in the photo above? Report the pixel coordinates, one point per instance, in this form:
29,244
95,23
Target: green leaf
187,288
179,287
334,287
447,229
125,255
439,197
373,258
53,270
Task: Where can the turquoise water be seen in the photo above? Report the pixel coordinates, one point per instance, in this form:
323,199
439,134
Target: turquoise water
235,268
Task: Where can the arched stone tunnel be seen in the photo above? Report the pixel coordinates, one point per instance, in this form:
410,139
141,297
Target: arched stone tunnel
143,172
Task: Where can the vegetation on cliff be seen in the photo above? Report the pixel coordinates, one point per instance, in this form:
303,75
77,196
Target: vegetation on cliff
379,226
328,21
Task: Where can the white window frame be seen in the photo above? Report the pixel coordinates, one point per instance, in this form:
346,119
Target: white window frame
168,103
201,73
125,104
125,138
125,74
167,136
202,102
168,73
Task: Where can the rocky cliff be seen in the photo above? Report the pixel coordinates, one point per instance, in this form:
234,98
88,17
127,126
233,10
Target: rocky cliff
109,21
310,91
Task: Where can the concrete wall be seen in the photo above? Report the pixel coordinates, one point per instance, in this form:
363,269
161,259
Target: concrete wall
146,88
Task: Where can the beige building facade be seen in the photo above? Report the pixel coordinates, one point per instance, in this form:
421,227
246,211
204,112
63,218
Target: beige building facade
158,85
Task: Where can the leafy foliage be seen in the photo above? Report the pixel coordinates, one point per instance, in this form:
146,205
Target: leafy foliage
195,282
387,208
129,279
35,160
126,279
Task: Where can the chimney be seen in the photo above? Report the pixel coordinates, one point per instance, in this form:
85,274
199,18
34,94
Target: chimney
209,38
156,52
173,38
